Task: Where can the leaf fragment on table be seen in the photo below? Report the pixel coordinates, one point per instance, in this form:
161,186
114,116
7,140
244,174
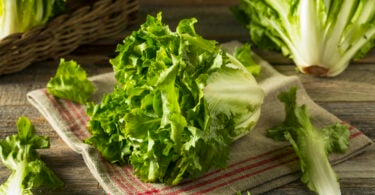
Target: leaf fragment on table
312,145
18,153
70,82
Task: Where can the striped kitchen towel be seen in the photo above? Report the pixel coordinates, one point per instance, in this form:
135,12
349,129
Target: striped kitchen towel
257,163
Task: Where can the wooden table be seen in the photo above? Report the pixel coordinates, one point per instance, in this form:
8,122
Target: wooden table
350,96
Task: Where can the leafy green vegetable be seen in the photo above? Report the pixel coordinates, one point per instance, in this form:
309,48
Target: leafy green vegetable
179,102
321,36
18,153
70,82
22,15
311,145
243,54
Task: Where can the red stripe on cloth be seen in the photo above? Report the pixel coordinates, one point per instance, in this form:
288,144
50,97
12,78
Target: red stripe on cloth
129,172
77,111
355,134
249,175
351,127
286,148
153,191
57,103
129,182
81,111
232,167
114,178
235,172
244,161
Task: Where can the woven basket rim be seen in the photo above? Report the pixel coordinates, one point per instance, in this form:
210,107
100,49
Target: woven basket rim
58,17
72,29
52,20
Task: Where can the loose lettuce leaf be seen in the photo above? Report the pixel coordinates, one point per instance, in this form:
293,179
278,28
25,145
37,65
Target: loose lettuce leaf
18,153
70,82
243,54
312,145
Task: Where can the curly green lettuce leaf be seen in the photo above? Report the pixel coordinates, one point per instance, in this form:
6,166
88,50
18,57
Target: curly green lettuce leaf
311,145
179,103
243,54
18,153
106,126
70,82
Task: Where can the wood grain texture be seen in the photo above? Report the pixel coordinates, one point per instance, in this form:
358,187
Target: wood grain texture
355,84
350,96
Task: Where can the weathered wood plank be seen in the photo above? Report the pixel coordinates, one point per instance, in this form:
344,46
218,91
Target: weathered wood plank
214,22
356,83
360,166
359,114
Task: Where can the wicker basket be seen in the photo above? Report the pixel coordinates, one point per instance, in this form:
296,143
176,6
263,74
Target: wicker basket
63,34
